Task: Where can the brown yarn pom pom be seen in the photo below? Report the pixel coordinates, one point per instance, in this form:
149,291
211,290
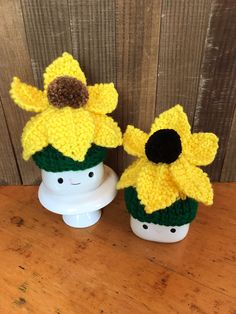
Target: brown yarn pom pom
67,91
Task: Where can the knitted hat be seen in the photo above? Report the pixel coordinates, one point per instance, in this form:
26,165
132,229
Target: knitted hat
166,176
179,213
50,159
71,125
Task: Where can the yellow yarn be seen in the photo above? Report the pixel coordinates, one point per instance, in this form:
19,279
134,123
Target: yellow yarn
129,176
69,130
192,181
135,147
160,185
107,131
64,65
28,97
103,98
155,187
34,136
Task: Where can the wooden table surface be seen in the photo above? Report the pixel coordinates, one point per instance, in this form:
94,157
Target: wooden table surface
48,267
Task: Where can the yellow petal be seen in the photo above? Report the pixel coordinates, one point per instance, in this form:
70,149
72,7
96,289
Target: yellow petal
192,181
175,119
103,98
134,141
201,148
155,187
64,65
107,132
129,176
71,132
28,97
34,137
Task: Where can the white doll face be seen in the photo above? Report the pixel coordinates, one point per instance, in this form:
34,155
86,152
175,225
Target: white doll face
158,233
80,181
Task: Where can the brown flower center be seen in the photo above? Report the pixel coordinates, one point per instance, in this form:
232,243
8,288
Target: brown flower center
67,91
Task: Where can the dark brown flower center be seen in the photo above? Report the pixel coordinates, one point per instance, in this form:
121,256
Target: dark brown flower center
163,146
67,91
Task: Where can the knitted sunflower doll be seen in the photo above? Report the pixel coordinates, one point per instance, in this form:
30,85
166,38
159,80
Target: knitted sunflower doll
164,185
68,140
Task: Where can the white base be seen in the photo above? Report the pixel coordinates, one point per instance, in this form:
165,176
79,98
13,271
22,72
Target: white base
82,220
81,209
158,233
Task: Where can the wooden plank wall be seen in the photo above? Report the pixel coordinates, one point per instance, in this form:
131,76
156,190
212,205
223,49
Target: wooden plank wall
157,52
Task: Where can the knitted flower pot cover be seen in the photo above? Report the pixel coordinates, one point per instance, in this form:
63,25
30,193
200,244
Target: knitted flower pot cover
68,139
167,225
50,159
164,184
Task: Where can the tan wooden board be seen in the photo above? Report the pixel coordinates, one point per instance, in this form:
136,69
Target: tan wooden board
183,32
158,53
228,172
48,267
47,27
93,44
9,173
137,42
216,98
15,61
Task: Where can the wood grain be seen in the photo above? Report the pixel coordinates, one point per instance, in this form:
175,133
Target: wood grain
157,52
137,39
93,44
183,31
9,173
216,97
228,172
47,28
48,267
15,60
93,38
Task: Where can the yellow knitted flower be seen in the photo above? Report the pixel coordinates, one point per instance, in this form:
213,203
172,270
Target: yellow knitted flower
71,116
167,158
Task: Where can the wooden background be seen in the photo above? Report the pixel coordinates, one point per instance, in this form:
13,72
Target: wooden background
157,52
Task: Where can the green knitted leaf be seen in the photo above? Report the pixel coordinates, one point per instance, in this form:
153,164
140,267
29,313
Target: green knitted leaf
50,159
179,213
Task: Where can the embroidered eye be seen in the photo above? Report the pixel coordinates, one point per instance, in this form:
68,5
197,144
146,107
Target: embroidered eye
60,180
91,174
173,230
145,227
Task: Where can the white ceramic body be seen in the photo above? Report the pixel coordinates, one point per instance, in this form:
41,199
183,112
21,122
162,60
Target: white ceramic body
74,182
158,233
78,195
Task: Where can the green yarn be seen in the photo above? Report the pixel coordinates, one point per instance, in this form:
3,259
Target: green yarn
179,213
50,159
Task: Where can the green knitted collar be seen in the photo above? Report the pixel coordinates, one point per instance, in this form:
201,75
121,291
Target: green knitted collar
179,213
52,160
